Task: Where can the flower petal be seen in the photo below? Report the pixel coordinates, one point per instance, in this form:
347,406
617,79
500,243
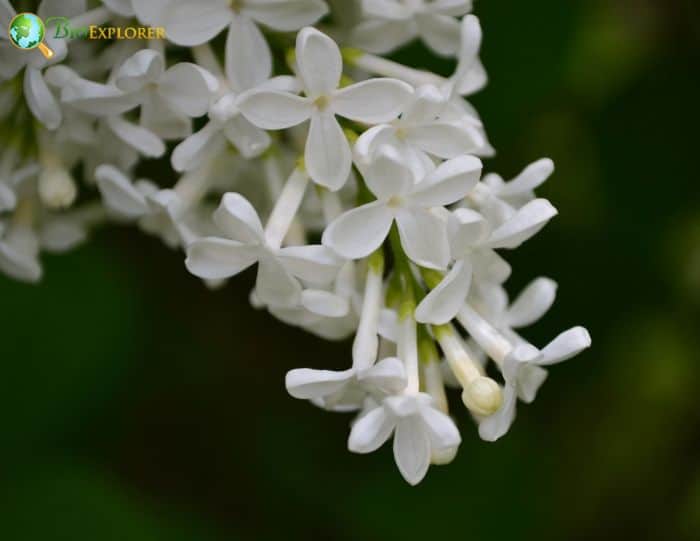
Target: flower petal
324,303
388,376
238,219
467,229
381,36
186,23
274,110
250,140
314,263
440,32
532,303
274,285
441,429
372,101
412,449
193,150
40,100
137,137
286,15
248,57
188,89
445,139
307,384
144,67
360,231
496,426
424,238
525,223
566,345
450,182
214,258
318,62
441,305
531,177
327,155
387,175
370,431
118,193
530,379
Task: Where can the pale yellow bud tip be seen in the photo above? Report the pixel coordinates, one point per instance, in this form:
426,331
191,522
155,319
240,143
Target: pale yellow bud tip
441,457
483,396
57,189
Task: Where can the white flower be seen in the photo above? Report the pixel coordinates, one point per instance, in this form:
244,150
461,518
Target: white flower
247,52
319,65
360,231
346,390
523,374
392,23
12,176
278,268
19,252
420,429
472,241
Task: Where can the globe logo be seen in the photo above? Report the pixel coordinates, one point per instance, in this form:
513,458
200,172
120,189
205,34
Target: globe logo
27,31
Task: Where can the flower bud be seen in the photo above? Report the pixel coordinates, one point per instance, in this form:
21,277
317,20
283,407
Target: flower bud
57,188
441,457
483,396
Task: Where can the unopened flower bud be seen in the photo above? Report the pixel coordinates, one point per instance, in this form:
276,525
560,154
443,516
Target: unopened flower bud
57,188
483,396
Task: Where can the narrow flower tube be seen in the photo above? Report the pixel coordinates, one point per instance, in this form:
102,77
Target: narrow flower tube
492,341
481,395
365,346
286,207
408,352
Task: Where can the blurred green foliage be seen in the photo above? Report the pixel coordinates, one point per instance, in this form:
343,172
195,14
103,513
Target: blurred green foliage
135,404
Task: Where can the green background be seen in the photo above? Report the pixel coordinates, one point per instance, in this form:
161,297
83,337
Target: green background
135,404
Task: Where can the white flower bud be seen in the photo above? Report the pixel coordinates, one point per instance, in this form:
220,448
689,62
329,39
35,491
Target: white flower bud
57,188
483,396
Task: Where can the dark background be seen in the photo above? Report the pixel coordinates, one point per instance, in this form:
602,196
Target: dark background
135,404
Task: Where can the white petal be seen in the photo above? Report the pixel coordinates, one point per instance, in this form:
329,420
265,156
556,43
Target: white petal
532,303
324,303
531,177
530,379
445,140
306,383
490,266
98,99
318,62
120,7
440,32
372,101
470,42
360,231
192,151
274,110
467,228
19,264
388,376
327,154
495,426
40,100
214,258
137,137
388,325
381,36
566,345
441,305
527,222
316,264
387,175
140,69
412,449
11,59
60,235
286,15
424,238
186,23
274,285
8,199
119,193
250,140
238,219
389,9
450,182
441,429
370,431
456,8
188,89
248,57
157,116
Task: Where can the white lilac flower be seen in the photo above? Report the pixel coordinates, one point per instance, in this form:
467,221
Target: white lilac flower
362,230
319,66
410,260
392,23
472,243
247,52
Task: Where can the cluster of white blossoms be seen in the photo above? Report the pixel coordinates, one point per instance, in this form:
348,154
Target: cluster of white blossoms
353,182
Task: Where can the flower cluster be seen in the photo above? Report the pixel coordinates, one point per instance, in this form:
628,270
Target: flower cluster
352,182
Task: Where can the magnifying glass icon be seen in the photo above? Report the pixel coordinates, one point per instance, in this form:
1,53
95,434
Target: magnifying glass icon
26,32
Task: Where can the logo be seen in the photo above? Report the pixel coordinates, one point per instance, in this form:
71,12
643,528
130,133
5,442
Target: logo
27,32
